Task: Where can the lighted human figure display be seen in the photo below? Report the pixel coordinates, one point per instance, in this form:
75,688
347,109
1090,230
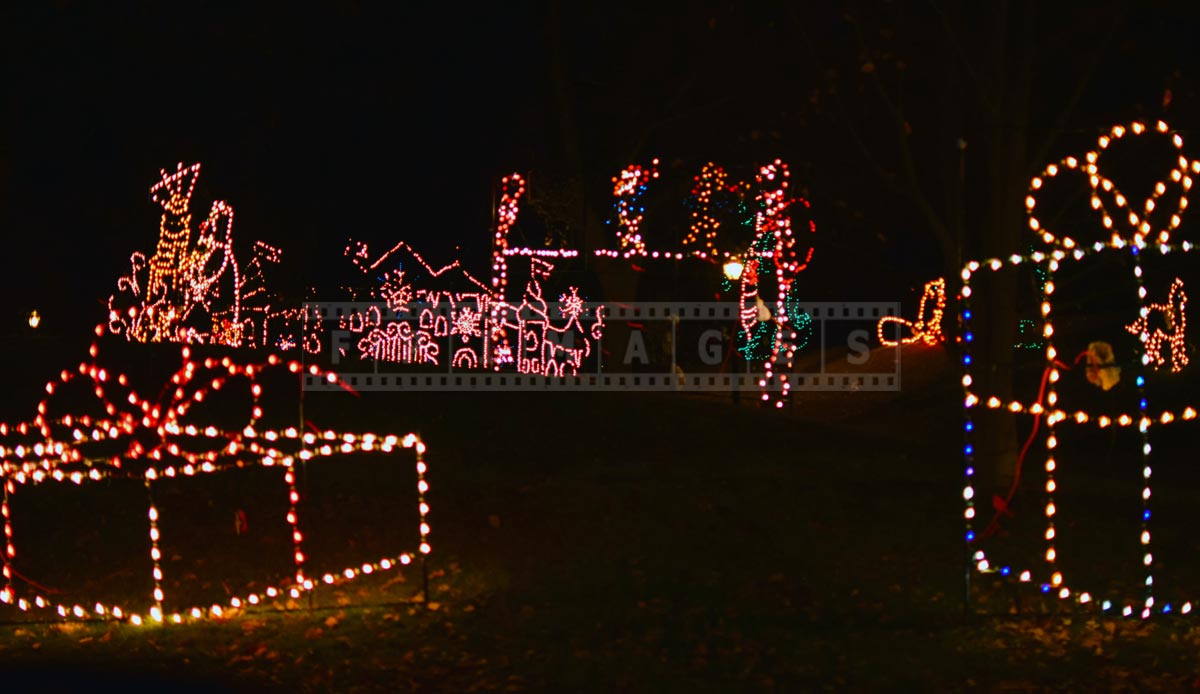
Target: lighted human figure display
193,290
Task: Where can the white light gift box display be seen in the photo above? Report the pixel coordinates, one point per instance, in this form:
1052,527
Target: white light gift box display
1112,322
152,440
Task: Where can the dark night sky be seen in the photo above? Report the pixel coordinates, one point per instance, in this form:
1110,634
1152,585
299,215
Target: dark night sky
349,121
314,127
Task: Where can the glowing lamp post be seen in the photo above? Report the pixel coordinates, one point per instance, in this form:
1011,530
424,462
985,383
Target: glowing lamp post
733,269
34,319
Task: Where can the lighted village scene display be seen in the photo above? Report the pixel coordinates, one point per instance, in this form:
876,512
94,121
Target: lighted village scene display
627,386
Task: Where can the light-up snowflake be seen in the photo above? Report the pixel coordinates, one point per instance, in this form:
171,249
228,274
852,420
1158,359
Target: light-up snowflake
466,323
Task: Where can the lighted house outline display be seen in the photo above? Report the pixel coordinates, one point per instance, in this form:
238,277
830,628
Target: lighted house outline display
480,328
192,289
1133,231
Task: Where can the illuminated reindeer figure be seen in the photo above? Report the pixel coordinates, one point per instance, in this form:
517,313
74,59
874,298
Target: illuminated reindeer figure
190,293
1175,318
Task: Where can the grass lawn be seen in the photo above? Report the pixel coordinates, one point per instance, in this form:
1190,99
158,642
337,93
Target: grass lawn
648,543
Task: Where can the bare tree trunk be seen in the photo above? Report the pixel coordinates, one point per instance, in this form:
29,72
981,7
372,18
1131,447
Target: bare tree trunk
1010,63
617,280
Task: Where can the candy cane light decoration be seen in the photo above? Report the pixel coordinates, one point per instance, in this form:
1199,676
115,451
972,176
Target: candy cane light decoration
157,440
775,250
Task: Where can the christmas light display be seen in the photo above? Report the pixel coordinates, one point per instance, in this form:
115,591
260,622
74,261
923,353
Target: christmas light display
772,336
711,193
1144,234
157,439
192,292
928,326
542,347
512,187
479,328
629,186
774,254
710,181
1027,337
488,332
1175,317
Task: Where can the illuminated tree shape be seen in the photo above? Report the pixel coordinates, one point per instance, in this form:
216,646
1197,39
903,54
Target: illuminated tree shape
928,326
159,438
192,292
1147,231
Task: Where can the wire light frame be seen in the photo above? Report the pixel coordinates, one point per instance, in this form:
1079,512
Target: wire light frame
1131,231
156,441
776,251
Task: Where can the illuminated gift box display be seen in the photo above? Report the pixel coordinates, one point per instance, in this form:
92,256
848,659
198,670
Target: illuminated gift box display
125,435
1136,277
193,290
